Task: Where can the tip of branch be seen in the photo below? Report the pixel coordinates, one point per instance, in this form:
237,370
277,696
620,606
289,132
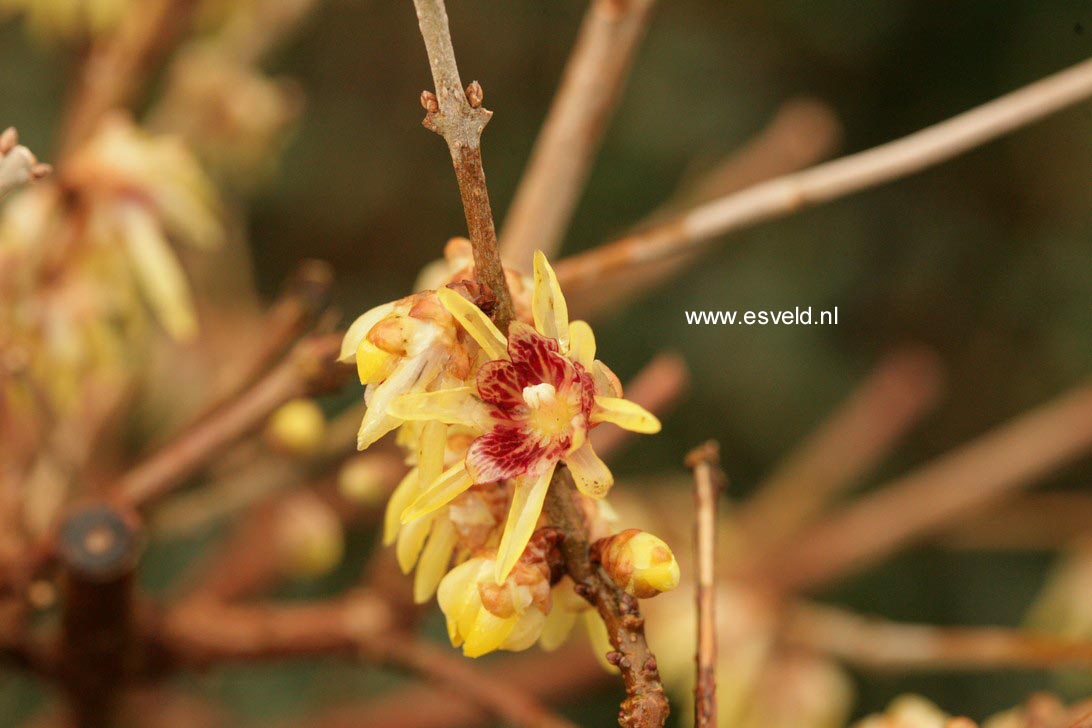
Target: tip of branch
707,453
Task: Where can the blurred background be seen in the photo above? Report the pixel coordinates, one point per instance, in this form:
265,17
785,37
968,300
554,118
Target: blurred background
986,260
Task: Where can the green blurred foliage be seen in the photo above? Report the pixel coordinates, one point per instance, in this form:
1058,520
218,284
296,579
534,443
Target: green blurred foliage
986,259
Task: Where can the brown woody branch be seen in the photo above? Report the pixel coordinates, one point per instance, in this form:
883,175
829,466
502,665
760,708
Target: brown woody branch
980,473
829,181
646,704
457,115
562,157
708,482
882,644
309,370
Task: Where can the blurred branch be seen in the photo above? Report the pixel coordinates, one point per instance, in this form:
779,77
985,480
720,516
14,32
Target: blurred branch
847,445
974,476
18,165
881,644
801,133
708,483
1036,521
657,387
646,705
119,65
829,181
310,369
554,676
591,86
462,678
457,115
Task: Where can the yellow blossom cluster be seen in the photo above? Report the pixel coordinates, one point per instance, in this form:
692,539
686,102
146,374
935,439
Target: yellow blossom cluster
485,417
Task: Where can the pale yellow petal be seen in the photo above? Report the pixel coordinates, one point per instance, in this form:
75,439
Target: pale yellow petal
591,475
434,559
448,486
411,539
456,406
360,328
527,630
599,638
430,452
561,619
476,323
377,421
158,272
522,518
548,305
488,633
627,415
402,496
457,589
582,344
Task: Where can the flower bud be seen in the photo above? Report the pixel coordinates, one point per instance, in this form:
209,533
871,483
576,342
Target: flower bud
309,537
640,563
363,479
297,428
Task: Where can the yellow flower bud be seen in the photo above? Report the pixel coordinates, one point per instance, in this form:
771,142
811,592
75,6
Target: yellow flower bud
363,480
297,428
638,562
309,537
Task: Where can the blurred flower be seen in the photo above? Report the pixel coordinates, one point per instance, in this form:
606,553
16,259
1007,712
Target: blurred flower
309,537
18,165
907,711
640,563
362,479
69,19
296,428
534,400
234,117
483,615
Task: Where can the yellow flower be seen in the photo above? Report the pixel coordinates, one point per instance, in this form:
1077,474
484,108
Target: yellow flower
532,404
297,427
484,616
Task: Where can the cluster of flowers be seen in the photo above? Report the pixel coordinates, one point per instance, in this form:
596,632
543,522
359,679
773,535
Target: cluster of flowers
485,419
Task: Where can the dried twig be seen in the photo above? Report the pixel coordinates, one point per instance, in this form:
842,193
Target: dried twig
801,133
552,677
844,448
461,678
979,473
562,157
785,195
1036,521
310,369
646,705
704,460
457,115
882,644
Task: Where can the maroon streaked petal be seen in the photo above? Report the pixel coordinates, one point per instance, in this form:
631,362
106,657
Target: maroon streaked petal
536,357
507,452
499,383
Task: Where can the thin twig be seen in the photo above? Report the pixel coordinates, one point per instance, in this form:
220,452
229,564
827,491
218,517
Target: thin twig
848,444
310,369
979,473
801,133
1036,521
565,149
457,115
841,177
646,705
462,678
704,460
883,644
549,677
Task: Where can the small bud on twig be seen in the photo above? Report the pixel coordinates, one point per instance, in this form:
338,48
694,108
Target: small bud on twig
429,102
640,563
475,95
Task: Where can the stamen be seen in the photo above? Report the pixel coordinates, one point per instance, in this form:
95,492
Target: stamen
539,395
